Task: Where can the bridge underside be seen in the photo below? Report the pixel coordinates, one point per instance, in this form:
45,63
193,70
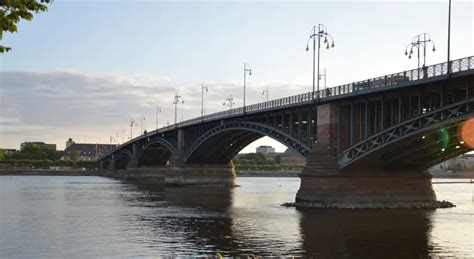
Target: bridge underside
418,152
221,148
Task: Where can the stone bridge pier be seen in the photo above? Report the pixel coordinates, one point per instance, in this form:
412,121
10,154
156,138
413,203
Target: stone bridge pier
323,184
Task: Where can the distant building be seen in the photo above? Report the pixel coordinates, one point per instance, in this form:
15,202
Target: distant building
292,158
87,152
39,144
461,162
265,150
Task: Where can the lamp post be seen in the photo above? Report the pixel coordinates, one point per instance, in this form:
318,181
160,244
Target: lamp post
123,135
158,110
177,99
318,32
229,101
206,88
449,38
418,43
265,92
142,118
248,69
324,74
132,123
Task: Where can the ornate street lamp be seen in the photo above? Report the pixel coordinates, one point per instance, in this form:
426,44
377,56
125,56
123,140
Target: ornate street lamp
177,99
229,101
248,69
418,43
265,92
158,110
203,88
318,32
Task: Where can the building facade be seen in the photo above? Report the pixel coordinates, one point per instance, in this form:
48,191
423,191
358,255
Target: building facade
265,150
87,152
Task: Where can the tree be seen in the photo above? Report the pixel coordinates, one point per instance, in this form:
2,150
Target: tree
74,156
12,11
1,155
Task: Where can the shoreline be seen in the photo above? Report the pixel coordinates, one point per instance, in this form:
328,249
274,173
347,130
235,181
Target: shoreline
243,173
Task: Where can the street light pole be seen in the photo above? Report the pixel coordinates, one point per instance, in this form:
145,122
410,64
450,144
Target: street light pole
418,43
123,135
202,98
449,38
177,99
265,92
321,32
158,109
324,77
229,101
249,70
132,122
142,118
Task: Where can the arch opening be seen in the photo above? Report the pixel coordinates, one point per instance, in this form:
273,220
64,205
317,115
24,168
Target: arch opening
221,144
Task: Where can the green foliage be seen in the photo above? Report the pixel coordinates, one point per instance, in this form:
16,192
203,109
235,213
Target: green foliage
12,11
254,159
2,157
34,151
75,155
45,163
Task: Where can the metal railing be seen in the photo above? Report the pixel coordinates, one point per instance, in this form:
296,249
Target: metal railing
436,70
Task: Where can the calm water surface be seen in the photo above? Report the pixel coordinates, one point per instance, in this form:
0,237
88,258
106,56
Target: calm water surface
43,216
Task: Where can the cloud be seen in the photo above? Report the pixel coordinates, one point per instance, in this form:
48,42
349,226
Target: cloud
55,105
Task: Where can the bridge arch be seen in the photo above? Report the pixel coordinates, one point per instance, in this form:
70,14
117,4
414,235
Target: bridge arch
221,143
122,159
156,152
413,144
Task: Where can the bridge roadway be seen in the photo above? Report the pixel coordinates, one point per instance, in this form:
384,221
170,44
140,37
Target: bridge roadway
367,143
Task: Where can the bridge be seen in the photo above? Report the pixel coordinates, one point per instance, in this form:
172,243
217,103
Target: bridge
366,142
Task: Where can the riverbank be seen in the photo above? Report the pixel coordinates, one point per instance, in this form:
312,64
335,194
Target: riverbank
268,173
246,173
47,172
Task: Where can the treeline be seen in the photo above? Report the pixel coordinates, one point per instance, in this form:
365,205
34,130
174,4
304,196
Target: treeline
45,163
34,152
256,159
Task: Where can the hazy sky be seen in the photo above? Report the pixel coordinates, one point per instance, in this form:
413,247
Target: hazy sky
85,68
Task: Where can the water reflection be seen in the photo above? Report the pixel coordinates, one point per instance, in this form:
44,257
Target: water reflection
377,234
99,217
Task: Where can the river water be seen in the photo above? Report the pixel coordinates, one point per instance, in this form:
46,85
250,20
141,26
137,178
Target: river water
62,216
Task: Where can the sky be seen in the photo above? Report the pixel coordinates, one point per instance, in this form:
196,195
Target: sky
84,69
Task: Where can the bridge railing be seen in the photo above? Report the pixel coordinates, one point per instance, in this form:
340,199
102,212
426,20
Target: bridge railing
440,69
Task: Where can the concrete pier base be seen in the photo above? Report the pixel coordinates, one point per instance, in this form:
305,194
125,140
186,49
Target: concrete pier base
374,190
149,176
200,175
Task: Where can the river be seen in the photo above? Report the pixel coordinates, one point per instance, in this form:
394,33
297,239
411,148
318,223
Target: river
83,217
